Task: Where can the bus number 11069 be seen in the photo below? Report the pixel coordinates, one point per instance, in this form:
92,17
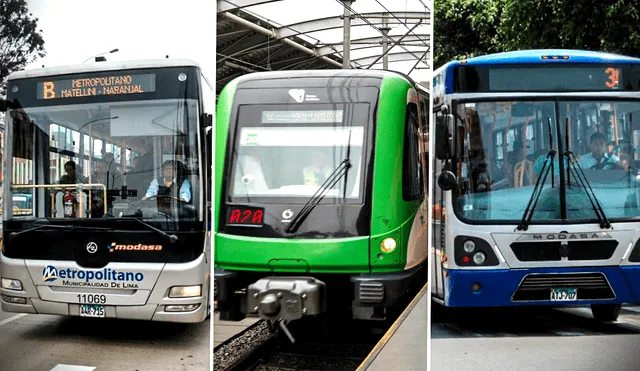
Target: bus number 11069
92,299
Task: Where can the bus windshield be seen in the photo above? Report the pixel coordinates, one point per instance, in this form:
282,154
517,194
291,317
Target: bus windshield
106,158
504,145
284,154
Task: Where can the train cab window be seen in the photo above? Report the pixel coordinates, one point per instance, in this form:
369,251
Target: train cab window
412,179
284,154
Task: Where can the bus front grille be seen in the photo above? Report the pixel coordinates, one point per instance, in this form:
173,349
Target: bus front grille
553,251
538,287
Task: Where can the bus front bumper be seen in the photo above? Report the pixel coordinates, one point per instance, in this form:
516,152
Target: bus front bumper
148,312
149,303
542,286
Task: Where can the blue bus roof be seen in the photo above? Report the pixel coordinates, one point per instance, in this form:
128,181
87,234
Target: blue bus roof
535,56
443,76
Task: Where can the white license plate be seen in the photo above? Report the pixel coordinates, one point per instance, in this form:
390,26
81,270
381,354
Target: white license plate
92,311
564,294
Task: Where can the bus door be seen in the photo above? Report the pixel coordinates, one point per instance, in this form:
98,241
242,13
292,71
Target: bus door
438,243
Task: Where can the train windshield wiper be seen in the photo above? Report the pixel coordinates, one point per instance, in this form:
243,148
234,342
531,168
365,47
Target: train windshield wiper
582,181
537,189
57,226
331,181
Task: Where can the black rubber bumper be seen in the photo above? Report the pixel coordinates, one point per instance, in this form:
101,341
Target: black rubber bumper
222,284
386,289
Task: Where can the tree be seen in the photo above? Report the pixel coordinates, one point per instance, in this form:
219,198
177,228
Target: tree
20,40
466,28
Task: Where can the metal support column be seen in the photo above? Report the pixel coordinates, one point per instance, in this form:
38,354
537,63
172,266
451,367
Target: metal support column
346,50
385,43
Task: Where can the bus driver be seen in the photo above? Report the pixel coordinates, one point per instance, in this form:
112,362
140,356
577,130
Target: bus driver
172,178
598,158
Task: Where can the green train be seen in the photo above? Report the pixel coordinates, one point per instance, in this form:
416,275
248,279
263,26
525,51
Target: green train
320,194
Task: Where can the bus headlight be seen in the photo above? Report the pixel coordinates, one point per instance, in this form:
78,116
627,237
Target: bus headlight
10,284
469,246
388,245
185,291
479,258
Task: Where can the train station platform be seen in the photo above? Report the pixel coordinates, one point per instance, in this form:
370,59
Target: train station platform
404,346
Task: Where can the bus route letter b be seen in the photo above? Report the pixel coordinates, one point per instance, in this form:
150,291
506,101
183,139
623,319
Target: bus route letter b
48,90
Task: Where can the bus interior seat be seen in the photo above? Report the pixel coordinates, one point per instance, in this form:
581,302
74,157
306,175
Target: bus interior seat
519,173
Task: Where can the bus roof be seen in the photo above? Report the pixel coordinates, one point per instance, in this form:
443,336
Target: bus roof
101,66
535,56
442,82
327,73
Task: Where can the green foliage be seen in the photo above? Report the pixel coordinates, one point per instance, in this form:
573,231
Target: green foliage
20,40
465,28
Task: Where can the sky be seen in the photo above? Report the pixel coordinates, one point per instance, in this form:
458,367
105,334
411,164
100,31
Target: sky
75,30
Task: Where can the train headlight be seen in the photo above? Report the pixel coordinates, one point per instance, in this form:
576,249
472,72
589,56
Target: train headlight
469,246
388,245
479,257
185,291
9,284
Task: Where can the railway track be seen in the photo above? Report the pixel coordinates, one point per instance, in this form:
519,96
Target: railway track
341,347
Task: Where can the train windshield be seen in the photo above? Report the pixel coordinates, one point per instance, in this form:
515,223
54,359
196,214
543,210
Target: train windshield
284,154
505,144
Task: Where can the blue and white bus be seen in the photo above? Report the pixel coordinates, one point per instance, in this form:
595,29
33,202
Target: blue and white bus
514,225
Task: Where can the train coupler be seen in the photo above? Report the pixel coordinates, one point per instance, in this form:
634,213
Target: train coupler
286,298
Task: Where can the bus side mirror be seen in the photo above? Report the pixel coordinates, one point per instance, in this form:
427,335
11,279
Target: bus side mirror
447,180
444,140
208,124
4,104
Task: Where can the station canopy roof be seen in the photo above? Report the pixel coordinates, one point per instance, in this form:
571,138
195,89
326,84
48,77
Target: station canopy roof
264,35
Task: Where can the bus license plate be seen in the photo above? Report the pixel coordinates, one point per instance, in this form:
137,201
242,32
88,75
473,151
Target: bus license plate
92,311
564,294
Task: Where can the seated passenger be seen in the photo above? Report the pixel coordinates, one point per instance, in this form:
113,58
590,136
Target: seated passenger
172,178
71,176
318,172
598,158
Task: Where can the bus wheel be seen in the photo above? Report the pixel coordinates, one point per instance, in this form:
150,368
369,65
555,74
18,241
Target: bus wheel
606,312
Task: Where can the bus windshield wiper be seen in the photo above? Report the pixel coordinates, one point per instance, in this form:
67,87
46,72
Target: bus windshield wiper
547,166
57,226
171,237
333,178
582,181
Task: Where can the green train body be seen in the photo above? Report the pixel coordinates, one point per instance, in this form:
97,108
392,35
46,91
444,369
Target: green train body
362,247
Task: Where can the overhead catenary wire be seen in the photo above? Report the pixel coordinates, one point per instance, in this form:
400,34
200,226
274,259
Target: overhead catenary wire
381,32
403,23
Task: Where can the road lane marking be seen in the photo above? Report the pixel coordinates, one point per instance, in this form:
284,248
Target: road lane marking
10,319
61,367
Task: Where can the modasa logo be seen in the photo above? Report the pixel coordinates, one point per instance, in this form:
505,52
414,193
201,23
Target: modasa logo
139,247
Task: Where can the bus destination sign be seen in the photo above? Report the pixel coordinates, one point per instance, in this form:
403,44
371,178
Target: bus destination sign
97,85
509,78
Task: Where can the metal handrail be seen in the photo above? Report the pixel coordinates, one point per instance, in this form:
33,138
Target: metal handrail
65,187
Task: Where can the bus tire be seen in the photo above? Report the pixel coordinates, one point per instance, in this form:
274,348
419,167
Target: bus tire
606,312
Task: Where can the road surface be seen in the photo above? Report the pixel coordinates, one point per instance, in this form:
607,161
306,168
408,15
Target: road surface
536,339
43,343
